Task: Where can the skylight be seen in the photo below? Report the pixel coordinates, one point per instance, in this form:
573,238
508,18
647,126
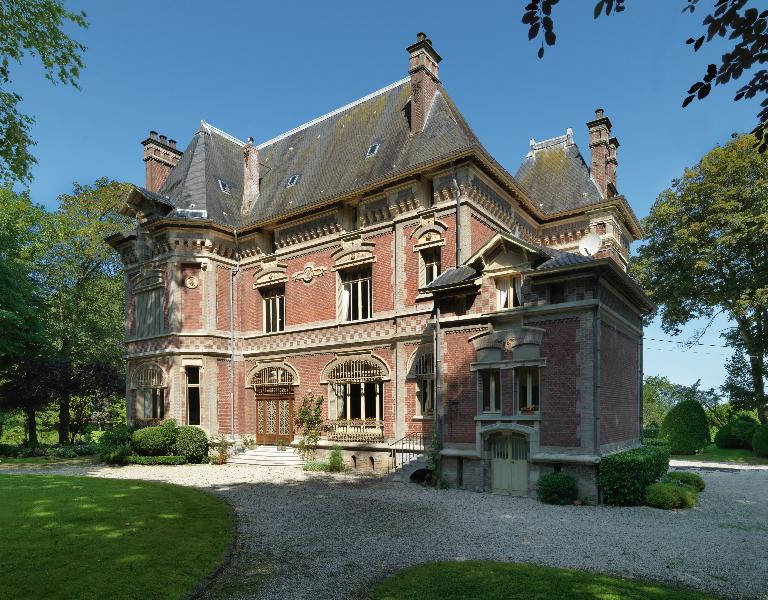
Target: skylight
224,186
372,150
292,180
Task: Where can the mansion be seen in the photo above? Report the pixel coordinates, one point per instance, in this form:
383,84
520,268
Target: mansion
380,257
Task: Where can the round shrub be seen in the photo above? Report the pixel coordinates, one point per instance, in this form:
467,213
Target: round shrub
115,444
651,431
670,495
686,427
192,443
624,476
155,441
557,488
737,433
685,478
760,440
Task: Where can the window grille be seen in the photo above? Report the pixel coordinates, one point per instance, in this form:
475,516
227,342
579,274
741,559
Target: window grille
355,370
149,376
272,380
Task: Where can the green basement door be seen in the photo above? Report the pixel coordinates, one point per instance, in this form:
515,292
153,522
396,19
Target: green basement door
509,465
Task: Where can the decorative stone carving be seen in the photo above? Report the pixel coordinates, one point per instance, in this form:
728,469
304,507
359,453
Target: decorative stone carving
191,282
309,272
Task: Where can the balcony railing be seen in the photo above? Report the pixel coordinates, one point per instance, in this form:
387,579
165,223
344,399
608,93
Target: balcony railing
355,430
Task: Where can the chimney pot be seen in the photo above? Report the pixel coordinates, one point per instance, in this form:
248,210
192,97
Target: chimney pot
172,143
153,135
163,139
158,165
599,113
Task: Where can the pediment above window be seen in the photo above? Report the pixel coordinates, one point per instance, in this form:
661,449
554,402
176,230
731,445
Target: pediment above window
148,279
353,253
429,233
270,274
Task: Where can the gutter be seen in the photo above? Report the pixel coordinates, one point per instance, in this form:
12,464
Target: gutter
232,346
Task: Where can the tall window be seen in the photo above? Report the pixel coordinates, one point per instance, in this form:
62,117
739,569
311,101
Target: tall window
431,261
489,383
356,297
510,292
527,389
149,312
274,308
193,395
425,381
149,381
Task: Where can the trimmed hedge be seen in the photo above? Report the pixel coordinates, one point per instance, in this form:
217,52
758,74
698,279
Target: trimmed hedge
686,427
760,440
685,478
114,445
155,441
156,460
191,442
670,495
737,433
623,477
651,431
557,488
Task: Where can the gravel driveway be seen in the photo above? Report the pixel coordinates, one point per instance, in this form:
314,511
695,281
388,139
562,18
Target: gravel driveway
307,535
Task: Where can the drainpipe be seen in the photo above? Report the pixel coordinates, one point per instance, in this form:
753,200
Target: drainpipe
438,364
458,210
232,274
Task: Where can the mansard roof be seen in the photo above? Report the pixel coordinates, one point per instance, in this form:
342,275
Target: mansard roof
328,154
556,175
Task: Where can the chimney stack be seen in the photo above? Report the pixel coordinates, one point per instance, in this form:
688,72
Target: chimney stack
603,147
422,67
250,176
160,156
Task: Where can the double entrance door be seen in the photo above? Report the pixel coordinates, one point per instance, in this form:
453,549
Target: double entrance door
274,419
509,465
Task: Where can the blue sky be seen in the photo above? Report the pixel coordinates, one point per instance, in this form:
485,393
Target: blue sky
258,69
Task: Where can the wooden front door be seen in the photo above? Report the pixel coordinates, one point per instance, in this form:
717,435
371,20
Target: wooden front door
509,465
274,419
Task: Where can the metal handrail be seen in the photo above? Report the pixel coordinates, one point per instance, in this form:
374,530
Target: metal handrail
411,443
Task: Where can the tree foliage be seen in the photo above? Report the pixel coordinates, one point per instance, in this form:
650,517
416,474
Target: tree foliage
736,20
705,255
35,28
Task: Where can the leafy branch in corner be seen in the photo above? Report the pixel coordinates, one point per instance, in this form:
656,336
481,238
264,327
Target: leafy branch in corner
735,20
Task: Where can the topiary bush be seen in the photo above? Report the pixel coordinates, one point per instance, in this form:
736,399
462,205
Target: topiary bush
686,427
737,433
557,488
155,441
335,460
670,495
191,442
623,477
156,460
685,478
760,440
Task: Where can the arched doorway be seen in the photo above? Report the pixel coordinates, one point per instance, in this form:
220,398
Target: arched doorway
509,463
273,387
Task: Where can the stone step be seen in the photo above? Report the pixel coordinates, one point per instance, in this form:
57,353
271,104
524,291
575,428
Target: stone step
268,456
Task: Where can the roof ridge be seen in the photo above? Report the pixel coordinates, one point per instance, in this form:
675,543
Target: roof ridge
333,113
561,141
211,129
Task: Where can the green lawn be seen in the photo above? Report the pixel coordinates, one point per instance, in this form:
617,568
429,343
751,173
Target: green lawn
45,461
88,538
714,454
484,580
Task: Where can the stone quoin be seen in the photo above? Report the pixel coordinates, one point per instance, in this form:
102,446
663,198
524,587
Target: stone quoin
382,258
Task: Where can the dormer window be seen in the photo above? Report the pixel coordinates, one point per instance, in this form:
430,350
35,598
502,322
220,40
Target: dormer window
372,150
509,292
292,180
224,186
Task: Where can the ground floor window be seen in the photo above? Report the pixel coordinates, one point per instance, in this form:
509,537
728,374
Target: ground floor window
193,395
527,389
424,370
154,403
359,400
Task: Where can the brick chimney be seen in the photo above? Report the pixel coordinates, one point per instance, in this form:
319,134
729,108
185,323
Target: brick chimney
611,165
600,146
422,67
160,156
250,176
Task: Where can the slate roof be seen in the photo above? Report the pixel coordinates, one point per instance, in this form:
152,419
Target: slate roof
328,154
556,176
453,276
565,259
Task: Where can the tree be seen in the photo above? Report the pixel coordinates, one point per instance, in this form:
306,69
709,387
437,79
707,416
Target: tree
705,254
97,397
34,27
658,398
736,20
83,285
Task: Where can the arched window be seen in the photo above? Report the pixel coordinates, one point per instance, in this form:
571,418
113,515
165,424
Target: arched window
358,409
149,381
272,381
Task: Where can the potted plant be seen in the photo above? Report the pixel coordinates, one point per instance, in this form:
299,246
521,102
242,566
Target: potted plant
281,445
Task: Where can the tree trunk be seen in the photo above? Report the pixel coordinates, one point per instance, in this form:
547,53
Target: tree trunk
758,382
31,426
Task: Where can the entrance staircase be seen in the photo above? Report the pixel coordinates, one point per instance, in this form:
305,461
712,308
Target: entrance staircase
268,456
408,454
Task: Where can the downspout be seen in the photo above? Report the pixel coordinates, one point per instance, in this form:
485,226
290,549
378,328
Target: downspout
232,348
458,214
438,364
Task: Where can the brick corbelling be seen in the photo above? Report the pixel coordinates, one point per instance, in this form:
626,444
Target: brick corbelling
619,402
560,395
